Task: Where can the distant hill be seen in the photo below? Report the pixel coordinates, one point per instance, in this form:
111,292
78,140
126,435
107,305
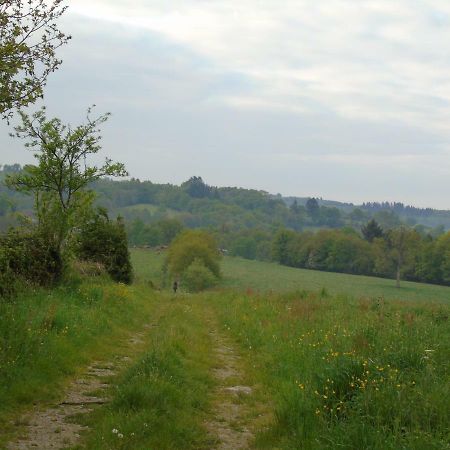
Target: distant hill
197,204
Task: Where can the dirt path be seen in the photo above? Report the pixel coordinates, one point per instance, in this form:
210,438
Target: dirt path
55,427
233,420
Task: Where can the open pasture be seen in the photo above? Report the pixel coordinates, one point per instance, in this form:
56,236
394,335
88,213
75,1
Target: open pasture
239,273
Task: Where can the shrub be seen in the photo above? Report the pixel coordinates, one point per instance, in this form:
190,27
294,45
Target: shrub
198,277
193,245
105,242
27,256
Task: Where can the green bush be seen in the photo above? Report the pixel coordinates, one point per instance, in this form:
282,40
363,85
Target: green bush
27,256
105,242
198,277
193,245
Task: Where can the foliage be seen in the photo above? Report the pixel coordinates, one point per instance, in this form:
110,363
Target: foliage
29,38
197,277
372,230
401,253
60,180
160,232
26,256
192,245
105,242
197,188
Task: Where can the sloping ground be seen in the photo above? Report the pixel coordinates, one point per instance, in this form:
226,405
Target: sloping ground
236,370
242,274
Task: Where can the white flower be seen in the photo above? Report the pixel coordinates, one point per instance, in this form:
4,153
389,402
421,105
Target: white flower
115,430
120,435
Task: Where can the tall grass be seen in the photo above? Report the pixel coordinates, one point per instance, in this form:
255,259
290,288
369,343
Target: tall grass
344,372
162,400
45,336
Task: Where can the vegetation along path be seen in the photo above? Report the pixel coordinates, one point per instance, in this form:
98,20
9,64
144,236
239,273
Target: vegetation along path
241,370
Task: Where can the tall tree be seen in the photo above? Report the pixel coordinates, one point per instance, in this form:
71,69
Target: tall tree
29,38
402,246
372,230
312,207
60,179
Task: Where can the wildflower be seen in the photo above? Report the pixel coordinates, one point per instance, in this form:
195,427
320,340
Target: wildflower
115,430
120,435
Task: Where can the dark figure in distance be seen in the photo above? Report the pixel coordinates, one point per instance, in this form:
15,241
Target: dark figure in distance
175,286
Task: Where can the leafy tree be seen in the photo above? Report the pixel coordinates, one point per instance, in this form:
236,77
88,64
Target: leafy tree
29,38
190,246
312,207
197,188
281,251
372,230
294,207
198,277
62,175
402,245
5,205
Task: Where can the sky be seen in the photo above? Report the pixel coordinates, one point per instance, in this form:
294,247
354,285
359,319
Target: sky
341,99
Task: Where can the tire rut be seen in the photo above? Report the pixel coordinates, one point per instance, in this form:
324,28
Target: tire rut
56,427
229,425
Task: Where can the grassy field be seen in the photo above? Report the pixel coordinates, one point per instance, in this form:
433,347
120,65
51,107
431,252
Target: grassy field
345,373
47,336
333,361
240,273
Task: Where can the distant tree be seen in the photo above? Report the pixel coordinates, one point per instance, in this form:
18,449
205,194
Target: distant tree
330,217
281,251
5,205
294,207
387,219
402,246
312,207
190,246
357,215
29,38
197,188
372,230
60,180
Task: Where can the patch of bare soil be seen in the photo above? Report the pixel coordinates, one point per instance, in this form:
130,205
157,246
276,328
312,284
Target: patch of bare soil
55,427
231,426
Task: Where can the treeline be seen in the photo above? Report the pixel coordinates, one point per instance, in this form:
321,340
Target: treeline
400,253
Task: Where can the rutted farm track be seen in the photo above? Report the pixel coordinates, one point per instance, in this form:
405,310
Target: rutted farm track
227,421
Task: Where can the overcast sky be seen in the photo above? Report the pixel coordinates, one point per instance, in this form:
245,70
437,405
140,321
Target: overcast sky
341,99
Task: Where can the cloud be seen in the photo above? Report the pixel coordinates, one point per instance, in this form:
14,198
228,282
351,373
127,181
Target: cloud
335,98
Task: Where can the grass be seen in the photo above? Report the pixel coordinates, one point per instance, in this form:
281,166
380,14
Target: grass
263,276
47,336
343,372
161,401
341,361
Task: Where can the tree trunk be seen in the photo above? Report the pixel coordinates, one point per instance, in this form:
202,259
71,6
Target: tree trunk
397,283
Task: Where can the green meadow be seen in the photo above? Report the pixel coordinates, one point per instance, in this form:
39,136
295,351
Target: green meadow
239,273
333,361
